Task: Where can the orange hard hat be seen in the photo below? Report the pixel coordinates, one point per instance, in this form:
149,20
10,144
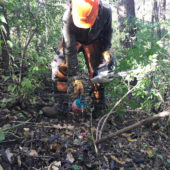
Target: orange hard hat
85,12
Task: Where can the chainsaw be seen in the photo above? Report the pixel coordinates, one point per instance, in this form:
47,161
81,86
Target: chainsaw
103,73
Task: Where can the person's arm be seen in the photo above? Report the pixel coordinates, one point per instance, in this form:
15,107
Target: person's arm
69,45
70,53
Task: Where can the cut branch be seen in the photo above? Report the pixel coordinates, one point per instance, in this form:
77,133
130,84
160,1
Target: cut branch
138,124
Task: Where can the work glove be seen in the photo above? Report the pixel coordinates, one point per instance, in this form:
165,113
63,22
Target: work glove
75,86
106,56
105,71
109,59
78,87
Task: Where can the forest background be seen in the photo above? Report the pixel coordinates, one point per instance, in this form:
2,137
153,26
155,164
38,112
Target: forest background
30,31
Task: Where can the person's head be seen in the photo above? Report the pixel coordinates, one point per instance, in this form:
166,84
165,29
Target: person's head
84,12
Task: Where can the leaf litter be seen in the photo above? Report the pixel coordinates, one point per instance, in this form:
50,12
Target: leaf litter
65,143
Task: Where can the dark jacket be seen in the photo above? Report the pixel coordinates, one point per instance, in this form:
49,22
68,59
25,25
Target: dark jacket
101,30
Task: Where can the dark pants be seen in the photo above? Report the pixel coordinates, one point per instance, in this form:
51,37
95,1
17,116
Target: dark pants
93,57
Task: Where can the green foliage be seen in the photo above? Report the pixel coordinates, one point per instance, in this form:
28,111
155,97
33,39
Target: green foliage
20,115
2,19
5,101
148,62
82,63
36,30
2,136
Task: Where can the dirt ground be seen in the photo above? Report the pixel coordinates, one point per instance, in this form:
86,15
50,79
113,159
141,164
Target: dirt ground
28,140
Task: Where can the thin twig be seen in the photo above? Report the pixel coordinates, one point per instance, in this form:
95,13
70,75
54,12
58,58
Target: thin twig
14,126
111,111
94,141
159,94
98,126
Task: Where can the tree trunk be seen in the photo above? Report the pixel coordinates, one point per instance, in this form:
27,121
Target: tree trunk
156,9
126,15
163,9
4,37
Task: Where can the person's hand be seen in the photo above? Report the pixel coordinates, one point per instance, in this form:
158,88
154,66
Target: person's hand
75,86
109,59
106,56
78,87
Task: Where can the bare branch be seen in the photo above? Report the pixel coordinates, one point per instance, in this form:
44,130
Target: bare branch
111,111
138,124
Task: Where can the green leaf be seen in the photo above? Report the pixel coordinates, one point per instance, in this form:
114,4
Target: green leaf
33,3
80,158
75,167
3,105
133,104
160,156
10,43
26,83
2,136
2,19
12,57
9,100
35,68
20,115
6,78
89,165
150,57
12,87
40,112
3,29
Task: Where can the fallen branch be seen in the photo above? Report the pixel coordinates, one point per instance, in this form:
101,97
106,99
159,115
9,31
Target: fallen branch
140,123
105,117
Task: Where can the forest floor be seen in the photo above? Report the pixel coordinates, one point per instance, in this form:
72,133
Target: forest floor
28,140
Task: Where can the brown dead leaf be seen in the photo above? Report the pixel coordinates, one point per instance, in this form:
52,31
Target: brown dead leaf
45,140
106,159
128,160
70,150
125,121
70,127
54,165
9,155
27,132
93,129
70,157
117,160
142,137
2,76
60,126
19,161
57,126
136,168
149,151
127,135
68,133
122,168
55,146
33,153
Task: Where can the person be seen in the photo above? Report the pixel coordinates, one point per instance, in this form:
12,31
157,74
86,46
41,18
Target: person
87,28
